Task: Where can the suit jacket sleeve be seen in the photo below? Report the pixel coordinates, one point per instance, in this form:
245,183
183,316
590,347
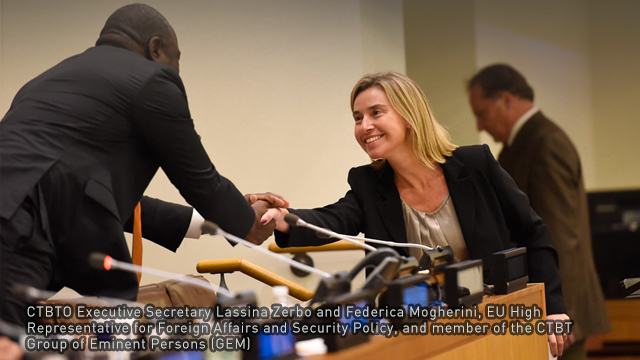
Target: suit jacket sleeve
163,222
344,216
528,230
162,120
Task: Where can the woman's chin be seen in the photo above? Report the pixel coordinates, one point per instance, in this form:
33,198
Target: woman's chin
375,154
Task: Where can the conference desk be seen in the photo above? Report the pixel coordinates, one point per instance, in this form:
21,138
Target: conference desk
450,347
410,347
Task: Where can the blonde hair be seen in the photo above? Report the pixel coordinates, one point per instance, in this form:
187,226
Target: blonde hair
430,141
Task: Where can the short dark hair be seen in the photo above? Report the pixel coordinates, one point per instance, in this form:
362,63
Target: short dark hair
138,22
496,78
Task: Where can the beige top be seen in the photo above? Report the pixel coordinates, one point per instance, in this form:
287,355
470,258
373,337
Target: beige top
440,227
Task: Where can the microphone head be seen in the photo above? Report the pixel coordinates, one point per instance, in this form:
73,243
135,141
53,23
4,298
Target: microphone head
210,228
292,219
100,261
26,293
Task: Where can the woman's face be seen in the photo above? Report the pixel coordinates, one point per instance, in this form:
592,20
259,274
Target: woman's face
380,130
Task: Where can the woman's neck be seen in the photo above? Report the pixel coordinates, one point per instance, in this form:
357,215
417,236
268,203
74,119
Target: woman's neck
421,187
411,173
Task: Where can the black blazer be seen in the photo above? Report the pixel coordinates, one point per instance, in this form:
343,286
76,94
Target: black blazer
91,133
490,208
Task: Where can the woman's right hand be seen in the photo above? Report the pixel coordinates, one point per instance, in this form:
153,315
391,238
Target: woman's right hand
276,214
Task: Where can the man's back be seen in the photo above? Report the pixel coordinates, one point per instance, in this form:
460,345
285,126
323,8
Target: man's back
546,166
79,117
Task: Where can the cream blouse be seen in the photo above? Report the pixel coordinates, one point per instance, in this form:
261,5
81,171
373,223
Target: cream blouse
440,227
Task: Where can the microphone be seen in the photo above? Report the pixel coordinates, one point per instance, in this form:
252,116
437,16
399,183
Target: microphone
384,272
440,255
329,287
294,220
29,294
105,262
387,262
12,331
393,243
211,228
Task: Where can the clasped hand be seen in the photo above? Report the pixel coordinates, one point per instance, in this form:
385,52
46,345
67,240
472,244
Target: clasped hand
265,206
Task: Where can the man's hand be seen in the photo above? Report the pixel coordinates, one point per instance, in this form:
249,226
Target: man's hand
259,232
274,199
558,342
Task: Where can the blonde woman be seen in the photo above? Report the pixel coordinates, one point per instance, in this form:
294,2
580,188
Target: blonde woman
421,188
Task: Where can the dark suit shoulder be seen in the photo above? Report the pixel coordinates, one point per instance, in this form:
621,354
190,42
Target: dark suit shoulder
132,59
541,127
471,152
125,64
364,170
544,135
106,72
473,157
368,175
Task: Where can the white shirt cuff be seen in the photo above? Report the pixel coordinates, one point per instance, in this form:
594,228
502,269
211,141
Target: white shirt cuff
195,227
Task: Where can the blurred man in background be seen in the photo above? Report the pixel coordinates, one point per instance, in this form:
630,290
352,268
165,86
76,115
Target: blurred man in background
545,165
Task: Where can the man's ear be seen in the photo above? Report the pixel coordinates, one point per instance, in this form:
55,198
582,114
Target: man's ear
507,98
156,48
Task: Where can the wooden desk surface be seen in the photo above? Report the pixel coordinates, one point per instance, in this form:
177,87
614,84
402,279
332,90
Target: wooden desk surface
461,347
624,315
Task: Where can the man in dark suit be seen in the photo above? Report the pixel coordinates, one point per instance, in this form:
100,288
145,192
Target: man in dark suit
78,147
545,165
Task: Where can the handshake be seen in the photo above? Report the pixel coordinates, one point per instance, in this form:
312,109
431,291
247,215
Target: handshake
270,210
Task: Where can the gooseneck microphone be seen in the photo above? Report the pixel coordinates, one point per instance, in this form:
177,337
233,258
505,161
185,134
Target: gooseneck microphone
294,220
105,262
440,255
391,243
13,331
210,228
29,294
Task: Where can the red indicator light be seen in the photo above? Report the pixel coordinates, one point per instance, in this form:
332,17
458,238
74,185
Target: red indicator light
107,262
